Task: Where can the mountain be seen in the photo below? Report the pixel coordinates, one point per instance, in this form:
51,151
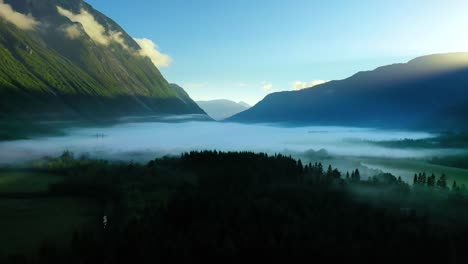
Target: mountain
221,109
64,59
184,96
427,92
244,104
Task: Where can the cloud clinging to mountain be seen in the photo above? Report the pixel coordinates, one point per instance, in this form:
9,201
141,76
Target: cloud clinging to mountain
93,29
25,22
150,49
98,34
303,85
72,32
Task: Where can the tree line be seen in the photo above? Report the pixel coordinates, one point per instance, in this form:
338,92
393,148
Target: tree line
420,179
238,204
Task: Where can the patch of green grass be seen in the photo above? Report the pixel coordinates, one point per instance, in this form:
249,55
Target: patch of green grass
406,168
29,217
26,223
26,182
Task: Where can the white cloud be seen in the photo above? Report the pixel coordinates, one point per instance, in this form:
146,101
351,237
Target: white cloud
302,85
98,34
72,32
151,50
118,37
95,31
22,21
267,87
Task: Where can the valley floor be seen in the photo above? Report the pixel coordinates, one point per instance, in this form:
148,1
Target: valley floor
52,202
406,168
32,216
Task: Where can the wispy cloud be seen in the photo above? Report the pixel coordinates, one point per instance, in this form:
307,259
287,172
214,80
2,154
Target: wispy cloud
303,85
118,37
72,32
151,50
93,29
26,22
100,35
267,87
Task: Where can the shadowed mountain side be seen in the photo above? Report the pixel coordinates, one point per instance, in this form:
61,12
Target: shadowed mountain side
429,92
185,97
93,107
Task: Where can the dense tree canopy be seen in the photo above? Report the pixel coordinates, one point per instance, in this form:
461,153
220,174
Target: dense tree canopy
235,204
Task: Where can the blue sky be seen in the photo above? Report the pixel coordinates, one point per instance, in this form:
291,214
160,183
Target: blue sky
244,49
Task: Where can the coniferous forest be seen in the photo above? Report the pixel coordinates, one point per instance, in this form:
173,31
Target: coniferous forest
245,204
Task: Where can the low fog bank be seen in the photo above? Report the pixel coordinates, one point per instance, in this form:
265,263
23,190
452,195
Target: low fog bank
147,140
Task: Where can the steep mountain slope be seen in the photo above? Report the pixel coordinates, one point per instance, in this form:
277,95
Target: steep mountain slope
72,61
429,92
184,96
221,109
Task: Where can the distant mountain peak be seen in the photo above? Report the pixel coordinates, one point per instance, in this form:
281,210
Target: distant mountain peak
220,109
244,104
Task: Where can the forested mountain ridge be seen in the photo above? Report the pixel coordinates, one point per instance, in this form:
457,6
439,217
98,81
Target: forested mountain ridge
427,92
63,58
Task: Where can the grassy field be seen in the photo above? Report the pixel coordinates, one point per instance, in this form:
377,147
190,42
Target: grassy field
25,182
406,168
30,217
27,223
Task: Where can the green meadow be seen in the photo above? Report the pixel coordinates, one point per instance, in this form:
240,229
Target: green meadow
27,208
406,168
26,182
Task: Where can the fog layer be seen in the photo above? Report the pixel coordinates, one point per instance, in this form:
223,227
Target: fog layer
140,141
